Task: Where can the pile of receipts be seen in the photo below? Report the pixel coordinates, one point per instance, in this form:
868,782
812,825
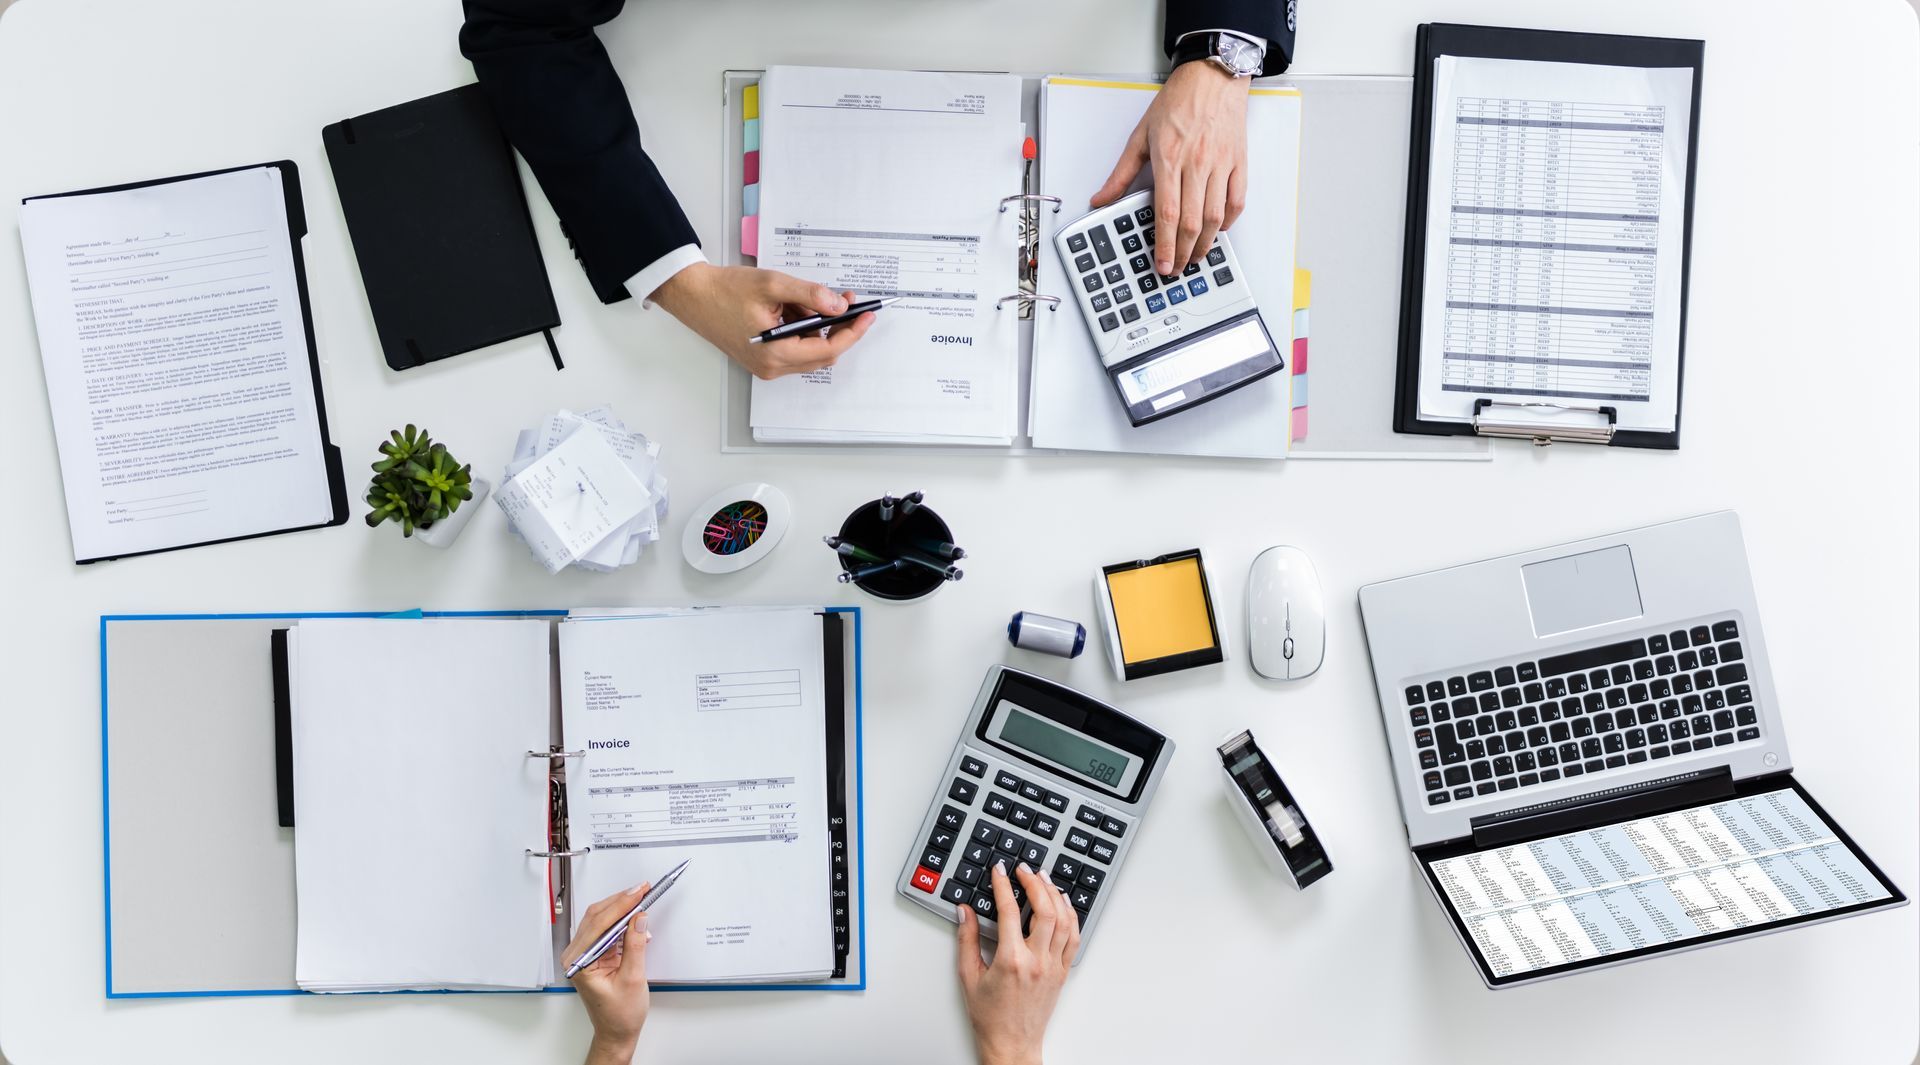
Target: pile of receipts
584,491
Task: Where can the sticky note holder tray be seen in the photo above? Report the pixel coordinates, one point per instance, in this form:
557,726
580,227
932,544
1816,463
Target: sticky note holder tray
1181,653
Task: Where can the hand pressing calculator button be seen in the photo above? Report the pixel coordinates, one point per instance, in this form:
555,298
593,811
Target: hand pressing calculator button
1071,752
1219,342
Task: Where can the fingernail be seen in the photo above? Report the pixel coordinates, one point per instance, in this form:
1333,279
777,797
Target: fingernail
1029,868
1000,867
639,924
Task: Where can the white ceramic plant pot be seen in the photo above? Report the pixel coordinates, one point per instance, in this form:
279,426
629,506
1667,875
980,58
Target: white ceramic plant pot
442,533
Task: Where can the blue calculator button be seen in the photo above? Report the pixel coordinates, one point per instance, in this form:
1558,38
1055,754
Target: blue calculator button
1198,286
1176,294
1155,304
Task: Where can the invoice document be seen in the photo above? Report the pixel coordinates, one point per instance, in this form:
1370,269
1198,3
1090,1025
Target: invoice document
1556,217
176,363
888,183
415,814
1652,881
704,739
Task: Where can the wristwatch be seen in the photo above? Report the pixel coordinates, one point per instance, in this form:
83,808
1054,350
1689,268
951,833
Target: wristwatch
1233,53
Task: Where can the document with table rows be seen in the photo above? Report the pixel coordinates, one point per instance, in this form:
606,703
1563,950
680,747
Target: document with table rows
1657,880
1554,238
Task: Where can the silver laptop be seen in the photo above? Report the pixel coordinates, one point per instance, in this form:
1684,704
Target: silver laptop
1590,757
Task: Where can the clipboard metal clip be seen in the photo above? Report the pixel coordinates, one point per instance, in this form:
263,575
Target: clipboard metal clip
1545,423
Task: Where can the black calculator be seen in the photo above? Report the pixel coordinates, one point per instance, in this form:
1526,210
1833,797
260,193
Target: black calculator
1044,775
1169,342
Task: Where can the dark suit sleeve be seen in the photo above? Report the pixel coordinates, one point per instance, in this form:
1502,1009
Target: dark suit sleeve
556,94
1272,19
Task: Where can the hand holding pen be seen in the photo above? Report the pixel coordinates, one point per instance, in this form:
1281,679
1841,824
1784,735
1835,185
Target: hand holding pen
613,987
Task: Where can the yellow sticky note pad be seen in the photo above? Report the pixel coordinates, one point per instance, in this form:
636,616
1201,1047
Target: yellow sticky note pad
1161,610
1302,289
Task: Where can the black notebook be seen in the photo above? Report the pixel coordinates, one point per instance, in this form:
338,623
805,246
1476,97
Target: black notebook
440,226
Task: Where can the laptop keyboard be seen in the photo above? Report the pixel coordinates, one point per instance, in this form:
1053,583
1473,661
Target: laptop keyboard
1537,721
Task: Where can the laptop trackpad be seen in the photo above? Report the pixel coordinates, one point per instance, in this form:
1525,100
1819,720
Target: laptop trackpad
1581,591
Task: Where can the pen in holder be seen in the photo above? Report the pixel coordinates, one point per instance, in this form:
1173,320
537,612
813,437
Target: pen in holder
896,548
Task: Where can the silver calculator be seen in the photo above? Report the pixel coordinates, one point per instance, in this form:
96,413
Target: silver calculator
1169,342
1042,775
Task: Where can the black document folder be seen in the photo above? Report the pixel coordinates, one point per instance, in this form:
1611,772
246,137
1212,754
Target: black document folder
1440,39
296,232
441,229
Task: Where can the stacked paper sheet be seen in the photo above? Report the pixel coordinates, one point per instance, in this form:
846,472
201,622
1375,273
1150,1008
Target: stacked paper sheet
584,491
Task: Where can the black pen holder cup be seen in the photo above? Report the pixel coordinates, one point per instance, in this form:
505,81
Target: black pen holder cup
909,582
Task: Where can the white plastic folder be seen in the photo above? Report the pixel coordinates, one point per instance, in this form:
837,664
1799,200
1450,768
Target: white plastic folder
1352,197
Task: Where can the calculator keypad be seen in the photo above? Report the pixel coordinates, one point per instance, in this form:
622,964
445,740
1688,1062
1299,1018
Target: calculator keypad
1125,294
1018,821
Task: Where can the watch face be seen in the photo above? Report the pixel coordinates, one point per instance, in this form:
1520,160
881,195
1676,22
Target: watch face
1243,57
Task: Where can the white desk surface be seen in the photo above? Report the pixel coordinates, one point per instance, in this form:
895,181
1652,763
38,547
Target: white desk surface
1804,294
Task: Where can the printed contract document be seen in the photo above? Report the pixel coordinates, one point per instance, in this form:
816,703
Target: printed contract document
704,740
176,362
888,183
1555,221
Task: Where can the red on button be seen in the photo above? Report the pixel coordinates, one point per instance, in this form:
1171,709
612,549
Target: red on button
925,879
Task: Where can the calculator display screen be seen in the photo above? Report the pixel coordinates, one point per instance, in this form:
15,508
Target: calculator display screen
1067,750
1195,361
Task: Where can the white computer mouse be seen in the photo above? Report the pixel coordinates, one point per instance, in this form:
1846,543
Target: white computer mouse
1286,615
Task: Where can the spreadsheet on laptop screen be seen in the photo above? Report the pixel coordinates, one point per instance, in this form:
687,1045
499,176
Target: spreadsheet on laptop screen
1727,866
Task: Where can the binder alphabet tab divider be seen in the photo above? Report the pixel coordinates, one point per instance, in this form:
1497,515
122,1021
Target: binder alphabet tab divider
170,934
1548,232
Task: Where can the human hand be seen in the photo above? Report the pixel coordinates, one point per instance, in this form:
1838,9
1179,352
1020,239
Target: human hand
1195,134
729,304
614,987
1009,1001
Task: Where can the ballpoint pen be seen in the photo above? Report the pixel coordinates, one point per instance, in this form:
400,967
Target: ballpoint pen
815,323
619,929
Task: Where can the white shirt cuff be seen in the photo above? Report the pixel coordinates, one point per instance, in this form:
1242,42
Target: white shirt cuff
1261,41
657,272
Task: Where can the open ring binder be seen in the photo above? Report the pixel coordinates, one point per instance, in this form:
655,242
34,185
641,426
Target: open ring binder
531,853
556,754
1545,423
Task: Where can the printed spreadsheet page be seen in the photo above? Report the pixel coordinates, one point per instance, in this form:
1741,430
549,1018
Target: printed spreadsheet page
1555,226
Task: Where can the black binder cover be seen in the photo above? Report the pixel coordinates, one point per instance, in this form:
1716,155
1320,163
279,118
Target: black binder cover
440,227
296,232
1488,42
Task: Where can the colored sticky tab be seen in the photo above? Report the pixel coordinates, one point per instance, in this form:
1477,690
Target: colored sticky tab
1299,390
1299,423
1302,289
1300,323
750,235
750,200
1300,356
752,176
753,135
750,103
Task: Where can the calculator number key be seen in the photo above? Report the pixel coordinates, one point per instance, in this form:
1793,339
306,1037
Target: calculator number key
956,892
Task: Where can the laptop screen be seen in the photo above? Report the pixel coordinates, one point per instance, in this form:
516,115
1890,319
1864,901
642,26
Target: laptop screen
1766,857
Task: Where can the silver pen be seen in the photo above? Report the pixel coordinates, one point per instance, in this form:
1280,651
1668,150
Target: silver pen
619,929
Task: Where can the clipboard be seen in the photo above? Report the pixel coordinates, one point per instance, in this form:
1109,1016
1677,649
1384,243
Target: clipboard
296,232
1541,423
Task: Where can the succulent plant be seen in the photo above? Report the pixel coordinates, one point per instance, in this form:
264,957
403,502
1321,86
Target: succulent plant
416,482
